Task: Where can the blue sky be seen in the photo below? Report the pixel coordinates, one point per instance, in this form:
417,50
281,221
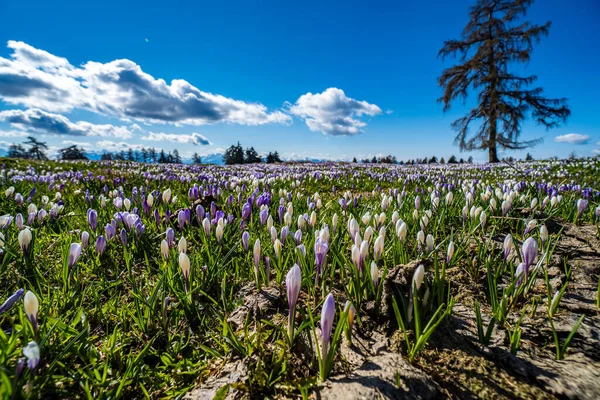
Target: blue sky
308,79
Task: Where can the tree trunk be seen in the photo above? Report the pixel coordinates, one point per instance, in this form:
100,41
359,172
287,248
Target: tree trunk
492,153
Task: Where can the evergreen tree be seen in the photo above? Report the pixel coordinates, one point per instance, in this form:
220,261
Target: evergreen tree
528,157
17,151
106,156
354,160
152,154
72,153
196,159
251,156
36,149
176,157
452,159
162,158
144,154
493,41
130,155
234,155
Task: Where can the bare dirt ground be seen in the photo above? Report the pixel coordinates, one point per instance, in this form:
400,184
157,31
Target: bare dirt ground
453,363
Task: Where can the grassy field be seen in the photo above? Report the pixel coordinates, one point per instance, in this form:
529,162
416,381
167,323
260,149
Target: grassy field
155,281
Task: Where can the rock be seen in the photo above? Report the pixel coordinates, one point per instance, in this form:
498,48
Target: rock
386,376
232,372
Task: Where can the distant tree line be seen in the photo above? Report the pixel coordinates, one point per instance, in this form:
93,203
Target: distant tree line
149,155
236,154
34,149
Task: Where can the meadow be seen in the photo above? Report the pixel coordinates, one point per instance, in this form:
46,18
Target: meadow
342,280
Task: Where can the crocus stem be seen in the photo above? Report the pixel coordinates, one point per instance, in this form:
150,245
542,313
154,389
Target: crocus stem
325,349
291,325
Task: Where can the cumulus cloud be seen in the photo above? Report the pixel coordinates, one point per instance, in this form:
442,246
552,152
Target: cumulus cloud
572,138
37,79
332,112
194,139
11,133
112,146
42,122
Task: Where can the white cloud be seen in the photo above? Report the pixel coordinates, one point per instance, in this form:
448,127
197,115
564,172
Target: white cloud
42,122
11,134
572,138
332,112
112,146
194,139
37,79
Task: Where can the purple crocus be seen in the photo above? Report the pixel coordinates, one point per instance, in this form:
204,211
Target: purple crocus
264,214
7,305
170,235
298,237
246,211
321,248
74,254
327,316
245,240
100,244
529,250
110,231
181,220
92,217
123,236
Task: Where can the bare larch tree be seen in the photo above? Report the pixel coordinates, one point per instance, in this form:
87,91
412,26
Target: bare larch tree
492,42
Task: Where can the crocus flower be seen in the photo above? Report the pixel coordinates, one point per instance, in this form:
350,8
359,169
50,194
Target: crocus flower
184,264
520,273
582,205
418,276
85,239
529,250
420,239
31,305
246,211
378,248
450,252
245,240
74,254
256,256
543,234
508,246
321,248
100,244
25,239
164,249
374,274
219,232
277,248
110,231
19,221
32,353
349,308
181,245
170,236
327,316
264,214
7,305
430,242
293,281
123,236
206,226
92,218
